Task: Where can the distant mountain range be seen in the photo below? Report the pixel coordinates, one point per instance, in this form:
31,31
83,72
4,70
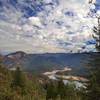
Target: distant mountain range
48,61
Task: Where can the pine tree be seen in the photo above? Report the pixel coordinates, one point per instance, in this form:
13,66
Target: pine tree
96,36
51,91
19,81
94,68
61,89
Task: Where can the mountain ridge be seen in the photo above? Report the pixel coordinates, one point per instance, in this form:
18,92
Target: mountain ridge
48,61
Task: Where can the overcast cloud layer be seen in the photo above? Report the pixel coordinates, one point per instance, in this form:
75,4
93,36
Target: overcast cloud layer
40,26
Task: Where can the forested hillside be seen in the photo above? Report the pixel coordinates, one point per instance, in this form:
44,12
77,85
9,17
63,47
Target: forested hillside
18,85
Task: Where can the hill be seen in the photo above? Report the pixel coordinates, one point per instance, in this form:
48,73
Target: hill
48,61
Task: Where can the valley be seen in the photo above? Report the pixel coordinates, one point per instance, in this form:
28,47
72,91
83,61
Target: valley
59,74
41,63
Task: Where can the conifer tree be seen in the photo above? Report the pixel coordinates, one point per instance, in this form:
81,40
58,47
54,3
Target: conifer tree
94,67
96,35
19,81
61,89
51,91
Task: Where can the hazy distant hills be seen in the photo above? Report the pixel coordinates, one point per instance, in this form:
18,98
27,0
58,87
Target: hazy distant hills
48,61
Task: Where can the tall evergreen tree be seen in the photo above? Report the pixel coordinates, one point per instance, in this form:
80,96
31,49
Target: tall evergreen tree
94,67
96,36
61,89
51,91
19,81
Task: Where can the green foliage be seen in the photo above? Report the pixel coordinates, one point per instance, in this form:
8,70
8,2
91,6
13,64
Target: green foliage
93,89
51,91
94,77
96,36
17,85
60,91
19,81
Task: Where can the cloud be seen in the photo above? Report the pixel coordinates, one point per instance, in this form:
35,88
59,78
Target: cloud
58,26
34,21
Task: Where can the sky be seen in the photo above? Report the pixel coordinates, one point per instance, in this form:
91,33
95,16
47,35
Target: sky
47,26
